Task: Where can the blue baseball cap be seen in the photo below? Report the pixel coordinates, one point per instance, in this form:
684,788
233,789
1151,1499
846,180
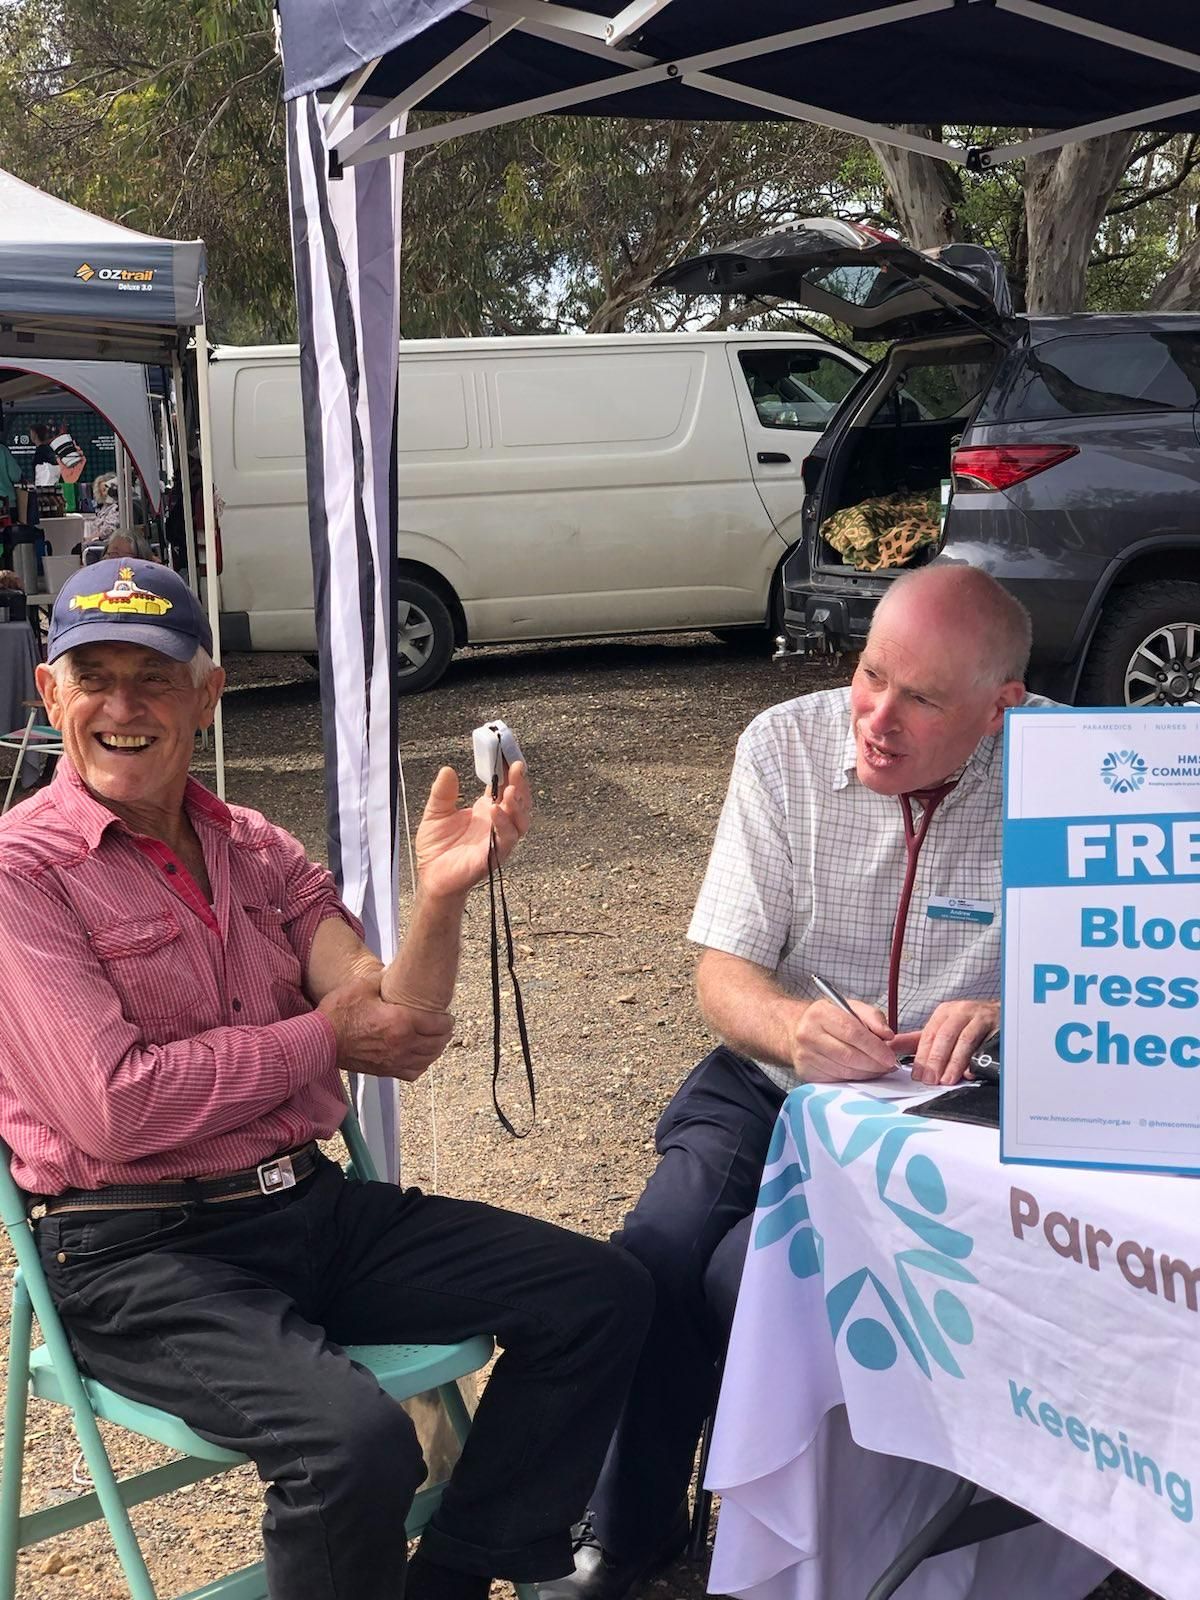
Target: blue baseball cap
128,602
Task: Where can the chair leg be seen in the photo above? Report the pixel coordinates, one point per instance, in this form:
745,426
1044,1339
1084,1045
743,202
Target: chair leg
702,1509
16,1405
16,771
460,1421
456,1409
924,1542
129,1553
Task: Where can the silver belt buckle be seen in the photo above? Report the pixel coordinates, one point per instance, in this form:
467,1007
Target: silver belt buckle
275,1176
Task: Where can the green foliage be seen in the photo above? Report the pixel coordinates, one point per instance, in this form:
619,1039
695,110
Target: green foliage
165,115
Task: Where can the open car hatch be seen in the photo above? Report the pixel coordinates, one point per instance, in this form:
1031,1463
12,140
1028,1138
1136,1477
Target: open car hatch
876,285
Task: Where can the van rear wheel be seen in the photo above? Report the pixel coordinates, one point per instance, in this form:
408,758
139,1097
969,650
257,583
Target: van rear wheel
1146,651
424,636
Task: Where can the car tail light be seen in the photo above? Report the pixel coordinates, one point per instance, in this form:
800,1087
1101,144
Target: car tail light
985,466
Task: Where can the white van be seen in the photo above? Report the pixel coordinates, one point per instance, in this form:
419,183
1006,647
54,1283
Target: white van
550,488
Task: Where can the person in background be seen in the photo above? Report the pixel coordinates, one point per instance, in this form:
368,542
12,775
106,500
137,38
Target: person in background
853,817
108,512
43,456
130,543
11,475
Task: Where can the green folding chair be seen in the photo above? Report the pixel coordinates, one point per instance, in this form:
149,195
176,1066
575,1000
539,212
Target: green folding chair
36,738
49,1372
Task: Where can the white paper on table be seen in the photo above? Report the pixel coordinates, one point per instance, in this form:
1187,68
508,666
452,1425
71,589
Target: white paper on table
898,1085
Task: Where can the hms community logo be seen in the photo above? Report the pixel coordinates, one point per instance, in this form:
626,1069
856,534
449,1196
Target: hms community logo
1123,771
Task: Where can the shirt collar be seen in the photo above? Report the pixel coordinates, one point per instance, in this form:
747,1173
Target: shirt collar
92,819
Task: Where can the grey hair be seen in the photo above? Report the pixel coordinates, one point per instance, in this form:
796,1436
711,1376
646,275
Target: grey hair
1000,622
200,667
141,546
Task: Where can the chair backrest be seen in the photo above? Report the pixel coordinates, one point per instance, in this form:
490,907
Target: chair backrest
29,1263
360,1156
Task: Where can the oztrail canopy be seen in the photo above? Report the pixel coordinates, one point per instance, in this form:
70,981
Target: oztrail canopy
75,285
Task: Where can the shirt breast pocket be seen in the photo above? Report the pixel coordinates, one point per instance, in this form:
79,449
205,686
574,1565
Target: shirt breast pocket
277,960
142,959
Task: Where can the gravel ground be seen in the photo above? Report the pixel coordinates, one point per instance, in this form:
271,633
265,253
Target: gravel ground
629,745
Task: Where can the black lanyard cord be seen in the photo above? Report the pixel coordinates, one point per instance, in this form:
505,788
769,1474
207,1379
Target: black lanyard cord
496,880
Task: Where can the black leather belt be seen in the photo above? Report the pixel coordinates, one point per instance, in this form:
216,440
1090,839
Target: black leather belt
269,1177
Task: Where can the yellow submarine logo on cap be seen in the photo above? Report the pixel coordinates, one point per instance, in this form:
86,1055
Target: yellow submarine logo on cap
124,597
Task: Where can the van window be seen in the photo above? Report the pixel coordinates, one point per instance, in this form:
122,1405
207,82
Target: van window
796,388
1101,374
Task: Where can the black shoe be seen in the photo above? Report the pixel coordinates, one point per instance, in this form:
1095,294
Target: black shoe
601,1576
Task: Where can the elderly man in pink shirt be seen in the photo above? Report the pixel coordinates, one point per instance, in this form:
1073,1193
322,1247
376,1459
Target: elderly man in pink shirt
181,988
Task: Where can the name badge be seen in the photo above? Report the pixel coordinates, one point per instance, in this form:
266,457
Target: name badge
945,908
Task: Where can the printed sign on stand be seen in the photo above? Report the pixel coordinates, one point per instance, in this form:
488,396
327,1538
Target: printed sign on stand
1101,988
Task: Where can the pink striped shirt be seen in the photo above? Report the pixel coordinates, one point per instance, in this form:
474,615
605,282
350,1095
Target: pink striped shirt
144,1035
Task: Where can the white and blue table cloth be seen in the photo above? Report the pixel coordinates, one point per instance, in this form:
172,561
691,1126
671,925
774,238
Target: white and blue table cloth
912,1309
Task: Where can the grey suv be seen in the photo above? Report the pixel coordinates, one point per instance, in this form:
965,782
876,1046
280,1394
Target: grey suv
1064,451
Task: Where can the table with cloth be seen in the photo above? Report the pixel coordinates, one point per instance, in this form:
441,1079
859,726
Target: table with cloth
18,658
912,1309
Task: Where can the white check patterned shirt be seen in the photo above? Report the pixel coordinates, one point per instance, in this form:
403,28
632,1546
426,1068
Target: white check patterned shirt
807,867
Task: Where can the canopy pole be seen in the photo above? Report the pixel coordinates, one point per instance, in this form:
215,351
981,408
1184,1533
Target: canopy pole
1136,44
727,55
1149,116
184,476
398,108
827,119
635,15
349,92
124,488
211,598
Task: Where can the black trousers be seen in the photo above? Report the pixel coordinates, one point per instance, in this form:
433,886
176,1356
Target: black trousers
232,1315
689,1229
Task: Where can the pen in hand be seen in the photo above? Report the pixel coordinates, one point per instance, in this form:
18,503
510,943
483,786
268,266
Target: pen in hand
825,988
831,993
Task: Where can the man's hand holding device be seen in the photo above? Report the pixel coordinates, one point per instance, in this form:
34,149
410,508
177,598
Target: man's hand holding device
452,843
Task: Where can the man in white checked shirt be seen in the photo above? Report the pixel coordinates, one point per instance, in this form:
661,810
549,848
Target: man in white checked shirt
860,839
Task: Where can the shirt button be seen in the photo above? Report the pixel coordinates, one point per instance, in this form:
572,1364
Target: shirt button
61,1258
171,867
236,1004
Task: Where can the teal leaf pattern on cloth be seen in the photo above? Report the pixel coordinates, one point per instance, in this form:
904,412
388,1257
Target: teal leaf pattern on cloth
876,1320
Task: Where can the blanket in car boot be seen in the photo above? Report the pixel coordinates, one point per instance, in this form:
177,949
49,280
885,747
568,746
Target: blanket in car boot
885,531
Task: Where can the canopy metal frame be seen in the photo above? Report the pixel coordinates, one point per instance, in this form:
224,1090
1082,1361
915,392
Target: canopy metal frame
612,39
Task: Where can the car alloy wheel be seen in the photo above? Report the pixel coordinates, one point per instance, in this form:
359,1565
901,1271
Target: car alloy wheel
414,639
1164,670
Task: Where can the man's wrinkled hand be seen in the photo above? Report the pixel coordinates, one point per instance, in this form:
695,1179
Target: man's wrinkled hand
382,1040
943,1046
831,1046
452,841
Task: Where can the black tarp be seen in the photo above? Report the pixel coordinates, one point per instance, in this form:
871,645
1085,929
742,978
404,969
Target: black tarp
974,63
